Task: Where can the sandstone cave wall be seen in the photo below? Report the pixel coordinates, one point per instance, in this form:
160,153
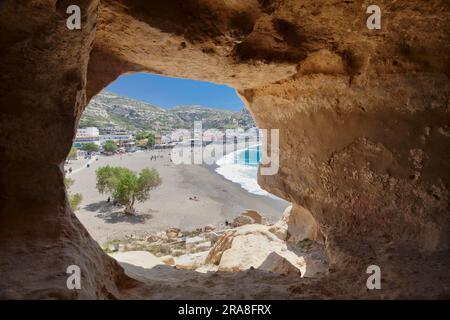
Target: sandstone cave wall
363,118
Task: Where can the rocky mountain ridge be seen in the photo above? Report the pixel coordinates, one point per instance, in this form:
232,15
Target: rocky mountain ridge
111,110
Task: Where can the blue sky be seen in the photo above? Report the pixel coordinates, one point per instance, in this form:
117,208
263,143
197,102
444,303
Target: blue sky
168,92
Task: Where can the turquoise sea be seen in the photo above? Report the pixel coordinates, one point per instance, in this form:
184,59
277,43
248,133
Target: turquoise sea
241,166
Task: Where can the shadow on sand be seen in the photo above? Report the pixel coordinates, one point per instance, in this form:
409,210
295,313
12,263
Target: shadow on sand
116,217
114,214
101,206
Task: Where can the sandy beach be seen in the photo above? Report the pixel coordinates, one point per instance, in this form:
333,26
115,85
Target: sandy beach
169,204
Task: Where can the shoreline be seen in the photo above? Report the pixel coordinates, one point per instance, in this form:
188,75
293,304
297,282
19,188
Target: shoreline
215,166
169,205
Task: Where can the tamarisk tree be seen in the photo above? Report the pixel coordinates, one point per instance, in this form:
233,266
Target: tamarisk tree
125,186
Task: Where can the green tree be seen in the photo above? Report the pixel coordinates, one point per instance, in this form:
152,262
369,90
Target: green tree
141,136
73,153
110,146
146,135
90,147
74,199
107,178
68,182
150,140
125,186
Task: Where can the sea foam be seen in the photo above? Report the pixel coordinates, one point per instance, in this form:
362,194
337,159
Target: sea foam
241,167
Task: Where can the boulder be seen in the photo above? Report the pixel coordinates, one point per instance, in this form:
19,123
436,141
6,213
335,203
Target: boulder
190,261
142,259
172,233
168,260
203,246
242,220
163,249
254,246
162,235
151,238
209,228
207,268
113,247
297,224
214,236
254,215
277,263
177,230
192,241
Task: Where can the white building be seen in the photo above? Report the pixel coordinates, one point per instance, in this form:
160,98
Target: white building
166,139
86,135
116,138
91,132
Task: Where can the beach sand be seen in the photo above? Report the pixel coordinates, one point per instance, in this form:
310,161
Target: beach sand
169,204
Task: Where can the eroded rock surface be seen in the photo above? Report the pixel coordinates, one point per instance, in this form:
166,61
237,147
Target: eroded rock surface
297,224
256,247
364,119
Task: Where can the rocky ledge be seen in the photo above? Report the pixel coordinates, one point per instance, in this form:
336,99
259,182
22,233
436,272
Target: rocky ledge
245,244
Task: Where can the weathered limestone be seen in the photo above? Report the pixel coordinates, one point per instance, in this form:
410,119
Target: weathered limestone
297,224
172,233
254,246
142,259
191,261
242,220
363,118
257,218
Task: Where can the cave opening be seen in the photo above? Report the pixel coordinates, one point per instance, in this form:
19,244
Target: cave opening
147,124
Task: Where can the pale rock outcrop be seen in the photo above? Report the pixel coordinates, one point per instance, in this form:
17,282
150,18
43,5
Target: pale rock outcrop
202,246
254,246
297,224
191,261
207,268
142,259
168,260
242,220
257,218
277,263
113,247
172,233
191,242
209,228
213,236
